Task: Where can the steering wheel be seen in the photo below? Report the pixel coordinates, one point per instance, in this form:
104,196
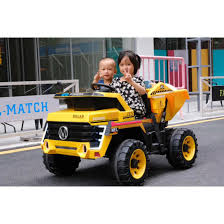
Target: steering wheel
101,86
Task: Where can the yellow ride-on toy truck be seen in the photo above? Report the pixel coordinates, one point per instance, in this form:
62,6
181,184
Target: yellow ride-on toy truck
101,124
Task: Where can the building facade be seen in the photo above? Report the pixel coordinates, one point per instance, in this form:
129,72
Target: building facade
38,59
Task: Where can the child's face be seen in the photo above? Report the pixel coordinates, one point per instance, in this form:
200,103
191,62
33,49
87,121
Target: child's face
107,70
126,65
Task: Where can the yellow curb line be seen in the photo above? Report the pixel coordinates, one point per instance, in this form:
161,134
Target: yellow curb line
19,150
195,122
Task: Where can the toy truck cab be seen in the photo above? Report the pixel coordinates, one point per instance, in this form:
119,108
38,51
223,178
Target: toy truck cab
101,124
83,129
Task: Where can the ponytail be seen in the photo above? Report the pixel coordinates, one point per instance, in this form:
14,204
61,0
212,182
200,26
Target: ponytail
138,60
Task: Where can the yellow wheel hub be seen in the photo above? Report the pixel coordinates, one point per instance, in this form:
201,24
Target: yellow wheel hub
188,148
137,163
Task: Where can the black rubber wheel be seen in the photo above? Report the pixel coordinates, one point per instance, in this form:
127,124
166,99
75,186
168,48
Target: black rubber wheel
61,165
130,163
183,148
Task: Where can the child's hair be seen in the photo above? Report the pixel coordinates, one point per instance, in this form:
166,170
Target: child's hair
112,62
134,58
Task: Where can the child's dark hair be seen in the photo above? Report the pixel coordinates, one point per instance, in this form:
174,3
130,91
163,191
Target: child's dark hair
134,58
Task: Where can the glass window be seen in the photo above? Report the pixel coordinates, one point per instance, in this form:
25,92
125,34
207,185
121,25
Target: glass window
169,43
3,67
21,53
218,43
55,63
160,43
86,53
175,43
17,63
113,48
3,62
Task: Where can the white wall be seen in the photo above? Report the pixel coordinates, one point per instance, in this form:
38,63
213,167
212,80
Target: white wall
145,46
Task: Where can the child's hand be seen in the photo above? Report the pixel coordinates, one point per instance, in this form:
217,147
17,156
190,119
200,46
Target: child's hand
127,76
97,77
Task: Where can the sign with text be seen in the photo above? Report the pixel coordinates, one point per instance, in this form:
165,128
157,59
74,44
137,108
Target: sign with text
27,107
217,93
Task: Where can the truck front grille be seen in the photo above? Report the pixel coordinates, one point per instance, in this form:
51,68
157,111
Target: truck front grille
77,132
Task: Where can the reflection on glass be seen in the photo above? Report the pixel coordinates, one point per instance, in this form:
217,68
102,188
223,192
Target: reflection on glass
86,53
55,63
114,47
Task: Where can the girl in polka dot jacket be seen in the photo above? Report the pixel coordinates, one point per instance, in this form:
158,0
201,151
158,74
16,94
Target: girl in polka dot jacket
130,86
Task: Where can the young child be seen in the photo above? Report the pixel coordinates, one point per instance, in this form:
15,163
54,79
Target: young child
130,86
107,70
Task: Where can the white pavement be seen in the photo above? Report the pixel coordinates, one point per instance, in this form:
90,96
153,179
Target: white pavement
28,137
32,137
